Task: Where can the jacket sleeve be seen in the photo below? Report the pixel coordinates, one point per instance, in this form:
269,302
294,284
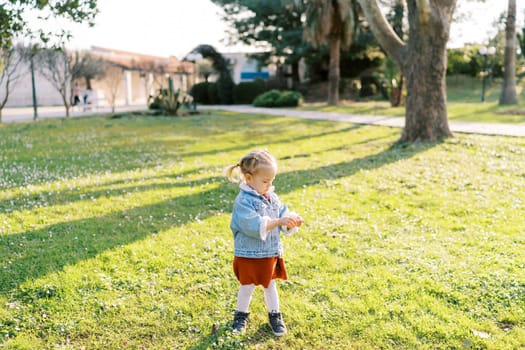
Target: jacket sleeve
283,211
249,221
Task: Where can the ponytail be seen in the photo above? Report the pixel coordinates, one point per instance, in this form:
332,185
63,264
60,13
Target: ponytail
229,172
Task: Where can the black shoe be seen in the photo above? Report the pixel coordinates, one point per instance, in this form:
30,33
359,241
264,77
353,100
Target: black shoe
239,321
277,323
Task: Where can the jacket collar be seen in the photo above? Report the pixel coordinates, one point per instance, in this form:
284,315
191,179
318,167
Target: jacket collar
244,187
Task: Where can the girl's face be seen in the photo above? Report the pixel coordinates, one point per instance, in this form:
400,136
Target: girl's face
262,180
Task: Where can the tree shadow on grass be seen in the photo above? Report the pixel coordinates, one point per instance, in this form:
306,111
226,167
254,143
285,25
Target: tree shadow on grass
32,254
68,196
28,202
256,143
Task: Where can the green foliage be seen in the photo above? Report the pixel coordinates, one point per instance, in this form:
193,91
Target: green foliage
225,86
274,24
325,20
213,94
115,235
199,92
460,61
225,82
14,23
289,99
206,93
267,99
276,98
169,101
246,92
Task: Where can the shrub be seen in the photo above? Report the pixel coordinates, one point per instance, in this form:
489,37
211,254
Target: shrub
225,86
246,92
199,92
169,101
289,99
213,94
267,99
206,93
154,102
275,98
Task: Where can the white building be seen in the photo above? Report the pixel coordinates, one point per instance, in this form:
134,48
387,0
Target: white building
140,76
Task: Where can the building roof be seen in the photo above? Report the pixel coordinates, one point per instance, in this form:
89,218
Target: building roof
142,62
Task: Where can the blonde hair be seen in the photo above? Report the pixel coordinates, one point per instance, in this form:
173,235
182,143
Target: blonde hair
249,164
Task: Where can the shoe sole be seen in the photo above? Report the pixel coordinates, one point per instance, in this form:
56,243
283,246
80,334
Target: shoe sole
279,334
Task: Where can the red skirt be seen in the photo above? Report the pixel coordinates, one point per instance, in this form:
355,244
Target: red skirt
259,271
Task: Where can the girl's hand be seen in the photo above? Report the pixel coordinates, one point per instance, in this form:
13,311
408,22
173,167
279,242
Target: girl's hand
287,221
291,221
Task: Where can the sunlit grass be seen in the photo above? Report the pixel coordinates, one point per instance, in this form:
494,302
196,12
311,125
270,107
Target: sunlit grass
114,233
488,112
464,104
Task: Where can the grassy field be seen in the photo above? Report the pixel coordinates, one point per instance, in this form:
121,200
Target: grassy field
114,234
463,94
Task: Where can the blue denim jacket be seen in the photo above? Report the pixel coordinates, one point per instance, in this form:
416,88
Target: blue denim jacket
251,212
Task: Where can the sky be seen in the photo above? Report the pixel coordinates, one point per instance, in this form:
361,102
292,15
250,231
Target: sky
175,27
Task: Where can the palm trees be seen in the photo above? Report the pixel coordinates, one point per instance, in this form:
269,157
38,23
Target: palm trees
331,22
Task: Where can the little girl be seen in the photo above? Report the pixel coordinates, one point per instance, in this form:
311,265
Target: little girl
258,218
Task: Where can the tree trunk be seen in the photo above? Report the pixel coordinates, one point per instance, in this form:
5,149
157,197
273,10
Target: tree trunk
508,90
88,83
426,108
423,62
66,104
295,75
396,95
4,102
334,70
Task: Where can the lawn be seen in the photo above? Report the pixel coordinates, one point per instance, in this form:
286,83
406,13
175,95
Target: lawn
463,94
114,234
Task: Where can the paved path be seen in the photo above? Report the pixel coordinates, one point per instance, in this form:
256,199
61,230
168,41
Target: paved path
26,114
398,122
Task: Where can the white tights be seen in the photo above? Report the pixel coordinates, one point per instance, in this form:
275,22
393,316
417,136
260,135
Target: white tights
271,298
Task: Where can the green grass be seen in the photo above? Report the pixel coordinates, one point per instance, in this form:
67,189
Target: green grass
114,234
464,95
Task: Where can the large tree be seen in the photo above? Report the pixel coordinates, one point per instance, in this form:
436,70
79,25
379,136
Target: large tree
13,22
508,90
331,22
422,60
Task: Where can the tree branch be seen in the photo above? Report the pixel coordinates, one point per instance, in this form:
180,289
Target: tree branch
383,31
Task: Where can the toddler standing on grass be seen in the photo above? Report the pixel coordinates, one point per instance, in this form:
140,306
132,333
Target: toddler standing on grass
258,219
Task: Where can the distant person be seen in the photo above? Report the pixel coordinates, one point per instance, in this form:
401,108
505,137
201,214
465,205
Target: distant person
76,95
87,99
258,219
87,94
